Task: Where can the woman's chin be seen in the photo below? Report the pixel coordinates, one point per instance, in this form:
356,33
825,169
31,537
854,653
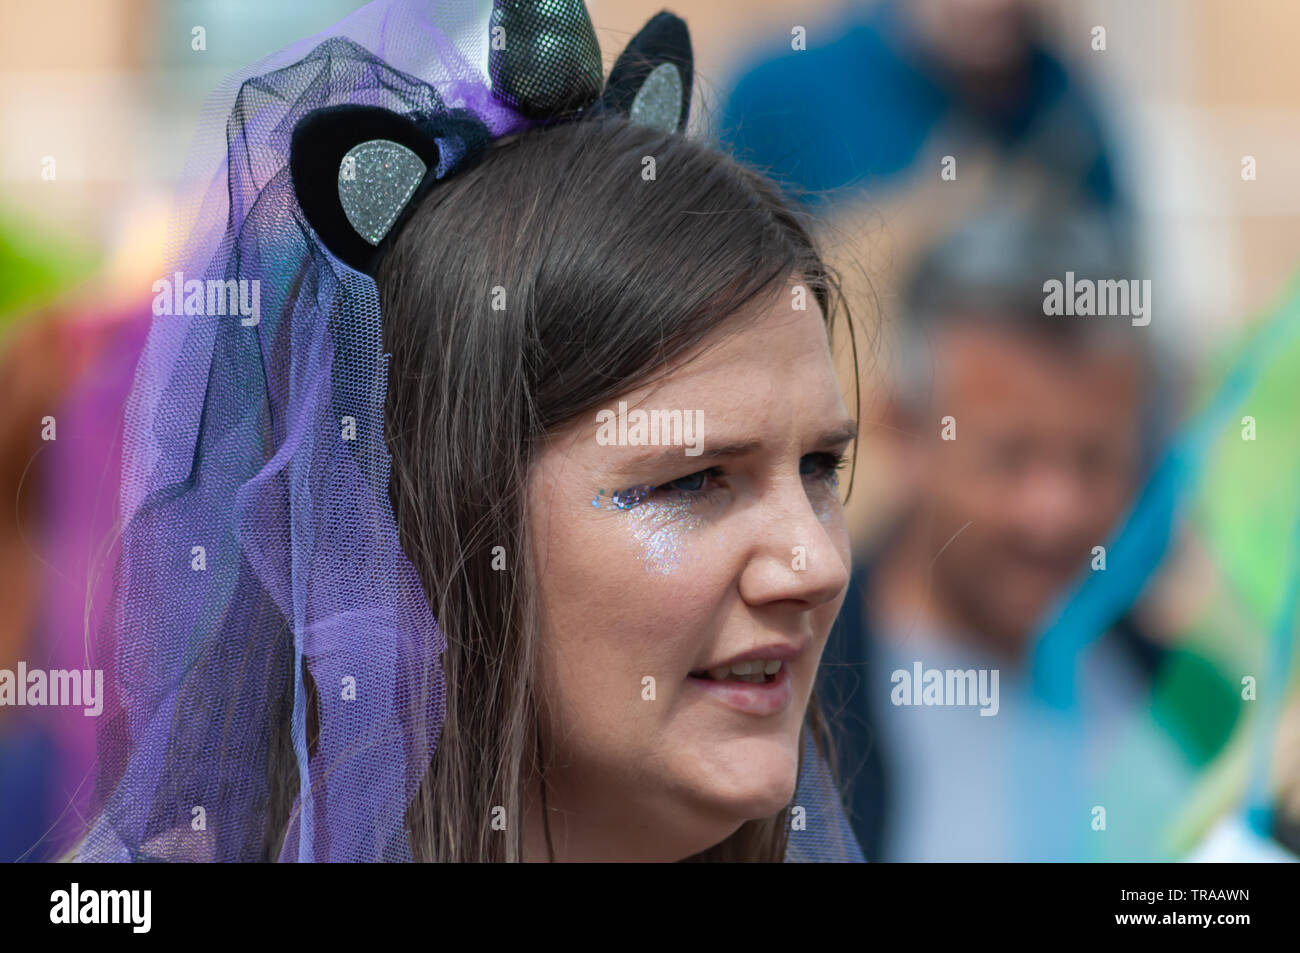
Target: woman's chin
750,779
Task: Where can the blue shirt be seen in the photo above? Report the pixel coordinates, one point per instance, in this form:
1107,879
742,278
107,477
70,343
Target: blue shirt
856,110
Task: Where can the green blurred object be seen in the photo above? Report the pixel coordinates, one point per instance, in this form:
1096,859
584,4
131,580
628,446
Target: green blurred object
1252,489
1245,517
36,266
1195,705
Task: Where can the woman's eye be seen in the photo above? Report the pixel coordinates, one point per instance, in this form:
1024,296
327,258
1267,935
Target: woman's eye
824,466
693,483
820,466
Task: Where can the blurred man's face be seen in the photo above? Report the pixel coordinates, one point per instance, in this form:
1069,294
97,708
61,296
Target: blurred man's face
1042,467
974,37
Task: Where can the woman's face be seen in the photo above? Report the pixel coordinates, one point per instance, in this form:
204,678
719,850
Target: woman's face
665,575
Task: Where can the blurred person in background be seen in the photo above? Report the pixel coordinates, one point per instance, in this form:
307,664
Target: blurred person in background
1021,436
870,97
902,119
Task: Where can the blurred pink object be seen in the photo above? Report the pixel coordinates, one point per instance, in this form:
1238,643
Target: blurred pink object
78,477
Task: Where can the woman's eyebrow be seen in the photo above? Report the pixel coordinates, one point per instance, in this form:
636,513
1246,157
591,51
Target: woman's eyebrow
675,454
838,436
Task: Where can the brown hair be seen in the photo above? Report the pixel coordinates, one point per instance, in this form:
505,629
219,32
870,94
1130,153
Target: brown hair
606,275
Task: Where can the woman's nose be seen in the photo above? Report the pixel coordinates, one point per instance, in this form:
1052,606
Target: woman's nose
799,552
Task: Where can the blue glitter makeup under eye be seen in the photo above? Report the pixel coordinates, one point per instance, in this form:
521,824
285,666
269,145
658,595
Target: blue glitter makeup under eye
625,499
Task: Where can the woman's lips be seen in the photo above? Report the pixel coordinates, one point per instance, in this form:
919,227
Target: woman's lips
751,698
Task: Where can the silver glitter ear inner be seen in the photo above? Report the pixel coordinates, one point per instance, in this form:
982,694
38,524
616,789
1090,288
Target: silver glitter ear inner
658,102
376,180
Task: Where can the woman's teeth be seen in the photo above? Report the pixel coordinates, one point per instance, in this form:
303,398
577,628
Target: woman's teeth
756,671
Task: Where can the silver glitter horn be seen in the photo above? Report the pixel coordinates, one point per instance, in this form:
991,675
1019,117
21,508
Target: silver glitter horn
543,59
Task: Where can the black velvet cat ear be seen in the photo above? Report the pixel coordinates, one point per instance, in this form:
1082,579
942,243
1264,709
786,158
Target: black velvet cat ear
651,80
358,171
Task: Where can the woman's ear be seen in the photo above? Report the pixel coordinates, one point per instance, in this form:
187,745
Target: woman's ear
651,80
358,171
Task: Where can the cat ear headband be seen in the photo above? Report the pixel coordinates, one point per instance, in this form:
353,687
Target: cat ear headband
358,171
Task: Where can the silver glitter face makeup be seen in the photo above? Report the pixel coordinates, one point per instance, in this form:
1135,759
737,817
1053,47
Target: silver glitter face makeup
661,529
659,526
